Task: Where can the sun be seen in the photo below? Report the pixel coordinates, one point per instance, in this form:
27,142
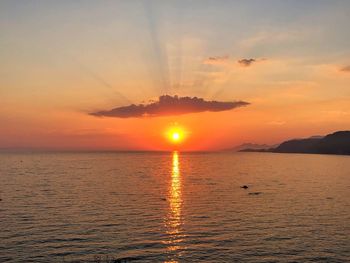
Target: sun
175,134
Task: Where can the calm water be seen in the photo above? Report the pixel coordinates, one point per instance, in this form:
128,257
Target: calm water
174,207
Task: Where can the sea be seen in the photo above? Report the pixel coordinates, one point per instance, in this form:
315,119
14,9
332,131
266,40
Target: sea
174,207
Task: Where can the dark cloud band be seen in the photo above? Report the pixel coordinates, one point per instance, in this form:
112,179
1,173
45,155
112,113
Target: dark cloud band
170,105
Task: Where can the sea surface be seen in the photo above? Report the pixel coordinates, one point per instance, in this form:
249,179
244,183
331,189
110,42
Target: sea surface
174,207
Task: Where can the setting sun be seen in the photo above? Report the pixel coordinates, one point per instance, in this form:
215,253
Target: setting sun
175,134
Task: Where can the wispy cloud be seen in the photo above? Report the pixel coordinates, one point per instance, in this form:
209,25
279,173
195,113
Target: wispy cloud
227,62
218,60
169,105
246,62
345,69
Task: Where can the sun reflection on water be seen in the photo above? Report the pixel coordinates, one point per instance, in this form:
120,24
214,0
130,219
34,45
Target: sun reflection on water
174,219
175,195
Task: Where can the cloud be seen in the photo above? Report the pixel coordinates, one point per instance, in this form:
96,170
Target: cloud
169,105
227,62
246,62
345,69
219,60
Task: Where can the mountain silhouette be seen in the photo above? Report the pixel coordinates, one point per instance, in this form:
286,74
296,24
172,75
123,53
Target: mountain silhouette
335,143
250,146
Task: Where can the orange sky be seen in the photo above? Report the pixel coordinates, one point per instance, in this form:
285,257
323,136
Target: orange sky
61,61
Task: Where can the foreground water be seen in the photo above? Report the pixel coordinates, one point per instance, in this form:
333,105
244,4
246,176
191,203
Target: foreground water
174,207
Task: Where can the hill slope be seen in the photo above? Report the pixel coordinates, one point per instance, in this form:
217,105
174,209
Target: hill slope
335,143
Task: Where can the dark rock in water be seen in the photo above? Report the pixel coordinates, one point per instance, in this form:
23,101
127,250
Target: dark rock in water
163,199
0,199
244,187
254,193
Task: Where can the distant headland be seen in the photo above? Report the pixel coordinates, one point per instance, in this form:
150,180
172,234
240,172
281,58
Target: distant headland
334,143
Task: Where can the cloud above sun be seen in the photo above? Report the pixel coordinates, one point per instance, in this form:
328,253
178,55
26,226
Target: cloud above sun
218,60
226,61
246,62
345,69
169,105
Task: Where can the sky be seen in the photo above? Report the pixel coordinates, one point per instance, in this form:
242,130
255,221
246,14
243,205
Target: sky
62,62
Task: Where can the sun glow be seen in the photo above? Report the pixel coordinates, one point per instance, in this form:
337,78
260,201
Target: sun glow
175,134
